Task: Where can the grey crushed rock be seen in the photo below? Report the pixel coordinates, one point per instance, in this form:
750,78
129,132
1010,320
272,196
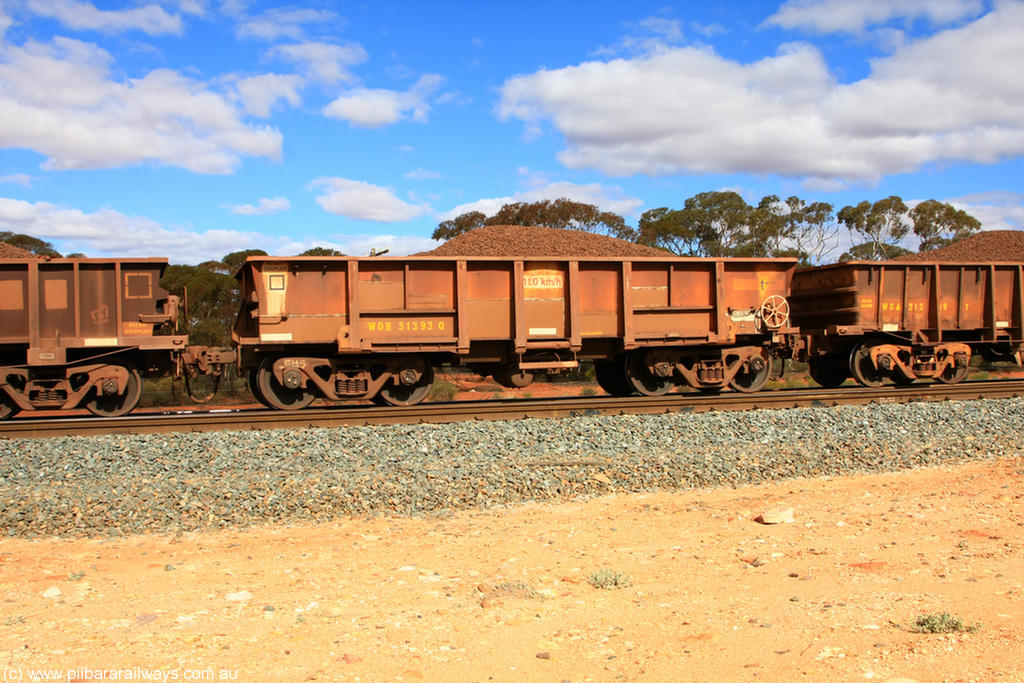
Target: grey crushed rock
108,485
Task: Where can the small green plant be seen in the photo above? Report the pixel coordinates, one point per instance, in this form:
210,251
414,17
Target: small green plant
515,589
443,391
609,578
77,576
941,623
588,391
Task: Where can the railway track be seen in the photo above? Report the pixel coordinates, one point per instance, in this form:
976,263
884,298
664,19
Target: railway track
510,409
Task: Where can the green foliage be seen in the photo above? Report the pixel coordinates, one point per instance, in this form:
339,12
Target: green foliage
33,245
942,623
880,227
939,224
235,259
724,224
557,213
321,251
867,252
458,225
609,578
443,391
210,302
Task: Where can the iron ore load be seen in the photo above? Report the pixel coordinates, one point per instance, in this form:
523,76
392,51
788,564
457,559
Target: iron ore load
81,332
903,321
375,328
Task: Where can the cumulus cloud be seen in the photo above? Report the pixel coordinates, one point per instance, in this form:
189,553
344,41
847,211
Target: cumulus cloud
259,94
264,207
322,62
61,100
955,96
854,16
362,201
104,232
995,210
422,174
5,23
372,108
284,23
602,196
22,179
84,16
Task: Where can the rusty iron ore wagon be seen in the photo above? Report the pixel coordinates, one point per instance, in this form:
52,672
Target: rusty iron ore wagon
374,328
80,332
905,321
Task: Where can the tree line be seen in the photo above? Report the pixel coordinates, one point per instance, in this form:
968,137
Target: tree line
724,224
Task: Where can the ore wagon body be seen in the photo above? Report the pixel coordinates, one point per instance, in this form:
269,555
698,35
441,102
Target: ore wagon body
82,332
374,328
904,321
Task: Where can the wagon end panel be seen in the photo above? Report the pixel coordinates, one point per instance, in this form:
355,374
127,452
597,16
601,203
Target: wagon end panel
754,297
298,302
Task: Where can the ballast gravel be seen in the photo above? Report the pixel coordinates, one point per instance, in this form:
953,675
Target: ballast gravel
112,485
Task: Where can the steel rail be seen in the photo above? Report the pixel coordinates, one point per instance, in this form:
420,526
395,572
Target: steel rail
504,409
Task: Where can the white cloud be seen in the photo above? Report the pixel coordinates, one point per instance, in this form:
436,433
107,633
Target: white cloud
285,23
370,108
995,210
60,100
397,245
956,96
362,201
422,174
107,232
5,23
322,62
259,94
604,197
646,35
265,207
854,16
22,179
84,16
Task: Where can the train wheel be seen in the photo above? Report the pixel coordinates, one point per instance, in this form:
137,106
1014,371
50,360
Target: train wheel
276,394
828,371
254,388
611,376
115,405
641,379
752,380
952,375
863,370
399,394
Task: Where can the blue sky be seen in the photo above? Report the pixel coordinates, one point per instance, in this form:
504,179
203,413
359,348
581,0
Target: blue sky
190,129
